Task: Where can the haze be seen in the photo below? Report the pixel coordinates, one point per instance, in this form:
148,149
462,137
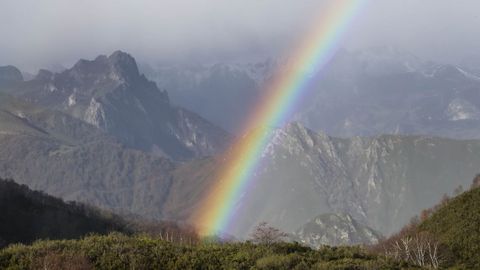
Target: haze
37,34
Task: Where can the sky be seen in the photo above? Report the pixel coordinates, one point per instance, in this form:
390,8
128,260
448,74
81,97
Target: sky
46,33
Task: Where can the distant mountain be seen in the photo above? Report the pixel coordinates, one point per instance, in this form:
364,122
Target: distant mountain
9,76
335,230
28,215
101,133
111,94
222,93
381,181
387,91
381,90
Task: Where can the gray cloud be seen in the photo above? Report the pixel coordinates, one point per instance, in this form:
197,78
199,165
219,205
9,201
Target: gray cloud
40,33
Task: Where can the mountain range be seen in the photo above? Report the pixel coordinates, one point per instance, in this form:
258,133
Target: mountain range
381,182
110,94
380,90
101,133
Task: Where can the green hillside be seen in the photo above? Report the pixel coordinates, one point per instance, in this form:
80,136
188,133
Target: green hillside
27,215
457,226
117,251
446,236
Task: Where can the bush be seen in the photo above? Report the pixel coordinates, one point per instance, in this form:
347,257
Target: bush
119,251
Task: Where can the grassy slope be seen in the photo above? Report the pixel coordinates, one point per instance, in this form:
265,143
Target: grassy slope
116,251
457,225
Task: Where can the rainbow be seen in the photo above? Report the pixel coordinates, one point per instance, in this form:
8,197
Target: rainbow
217,209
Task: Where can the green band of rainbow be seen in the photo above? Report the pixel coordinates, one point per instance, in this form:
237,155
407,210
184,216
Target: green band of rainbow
217,210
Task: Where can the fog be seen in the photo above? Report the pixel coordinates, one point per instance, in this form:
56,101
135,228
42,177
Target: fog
47,33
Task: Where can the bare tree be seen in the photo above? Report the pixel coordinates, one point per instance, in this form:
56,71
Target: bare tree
421,249
266,234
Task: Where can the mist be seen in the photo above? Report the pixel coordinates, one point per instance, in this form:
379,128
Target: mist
36,34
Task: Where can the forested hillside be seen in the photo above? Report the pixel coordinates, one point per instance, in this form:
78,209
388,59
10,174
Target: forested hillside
444,236
116,251
27,215
457,226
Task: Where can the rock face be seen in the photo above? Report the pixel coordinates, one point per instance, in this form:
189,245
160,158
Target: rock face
111,94
376,91
335,230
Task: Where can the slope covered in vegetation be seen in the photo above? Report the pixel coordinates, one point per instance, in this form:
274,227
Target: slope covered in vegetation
457,226
27,215
117,251
444,236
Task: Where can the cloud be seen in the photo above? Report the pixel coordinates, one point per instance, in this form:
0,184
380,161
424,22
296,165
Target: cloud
39,33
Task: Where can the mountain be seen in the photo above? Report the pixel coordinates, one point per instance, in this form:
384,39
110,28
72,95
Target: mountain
379,181
212,90
63,156
110,94
387,91
380,90
102,134
9,76
28,215
335,230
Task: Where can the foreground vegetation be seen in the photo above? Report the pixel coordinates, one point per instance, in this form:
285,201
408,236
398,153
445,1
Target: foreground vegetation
456,225
444,236
118,251
27,215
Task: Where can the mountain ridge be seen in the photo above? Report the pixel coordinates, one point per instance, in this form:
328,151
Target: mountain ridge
111,94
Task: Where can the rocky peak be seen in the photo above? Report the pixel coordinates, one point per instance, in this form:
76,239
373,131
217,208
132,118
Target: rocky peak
336,229
124,64
119,66
304,137
110,93
44,75
10,75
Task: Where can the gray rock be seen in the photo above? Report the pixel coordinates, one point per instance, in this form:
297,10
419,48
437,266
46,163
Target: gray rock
335,230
